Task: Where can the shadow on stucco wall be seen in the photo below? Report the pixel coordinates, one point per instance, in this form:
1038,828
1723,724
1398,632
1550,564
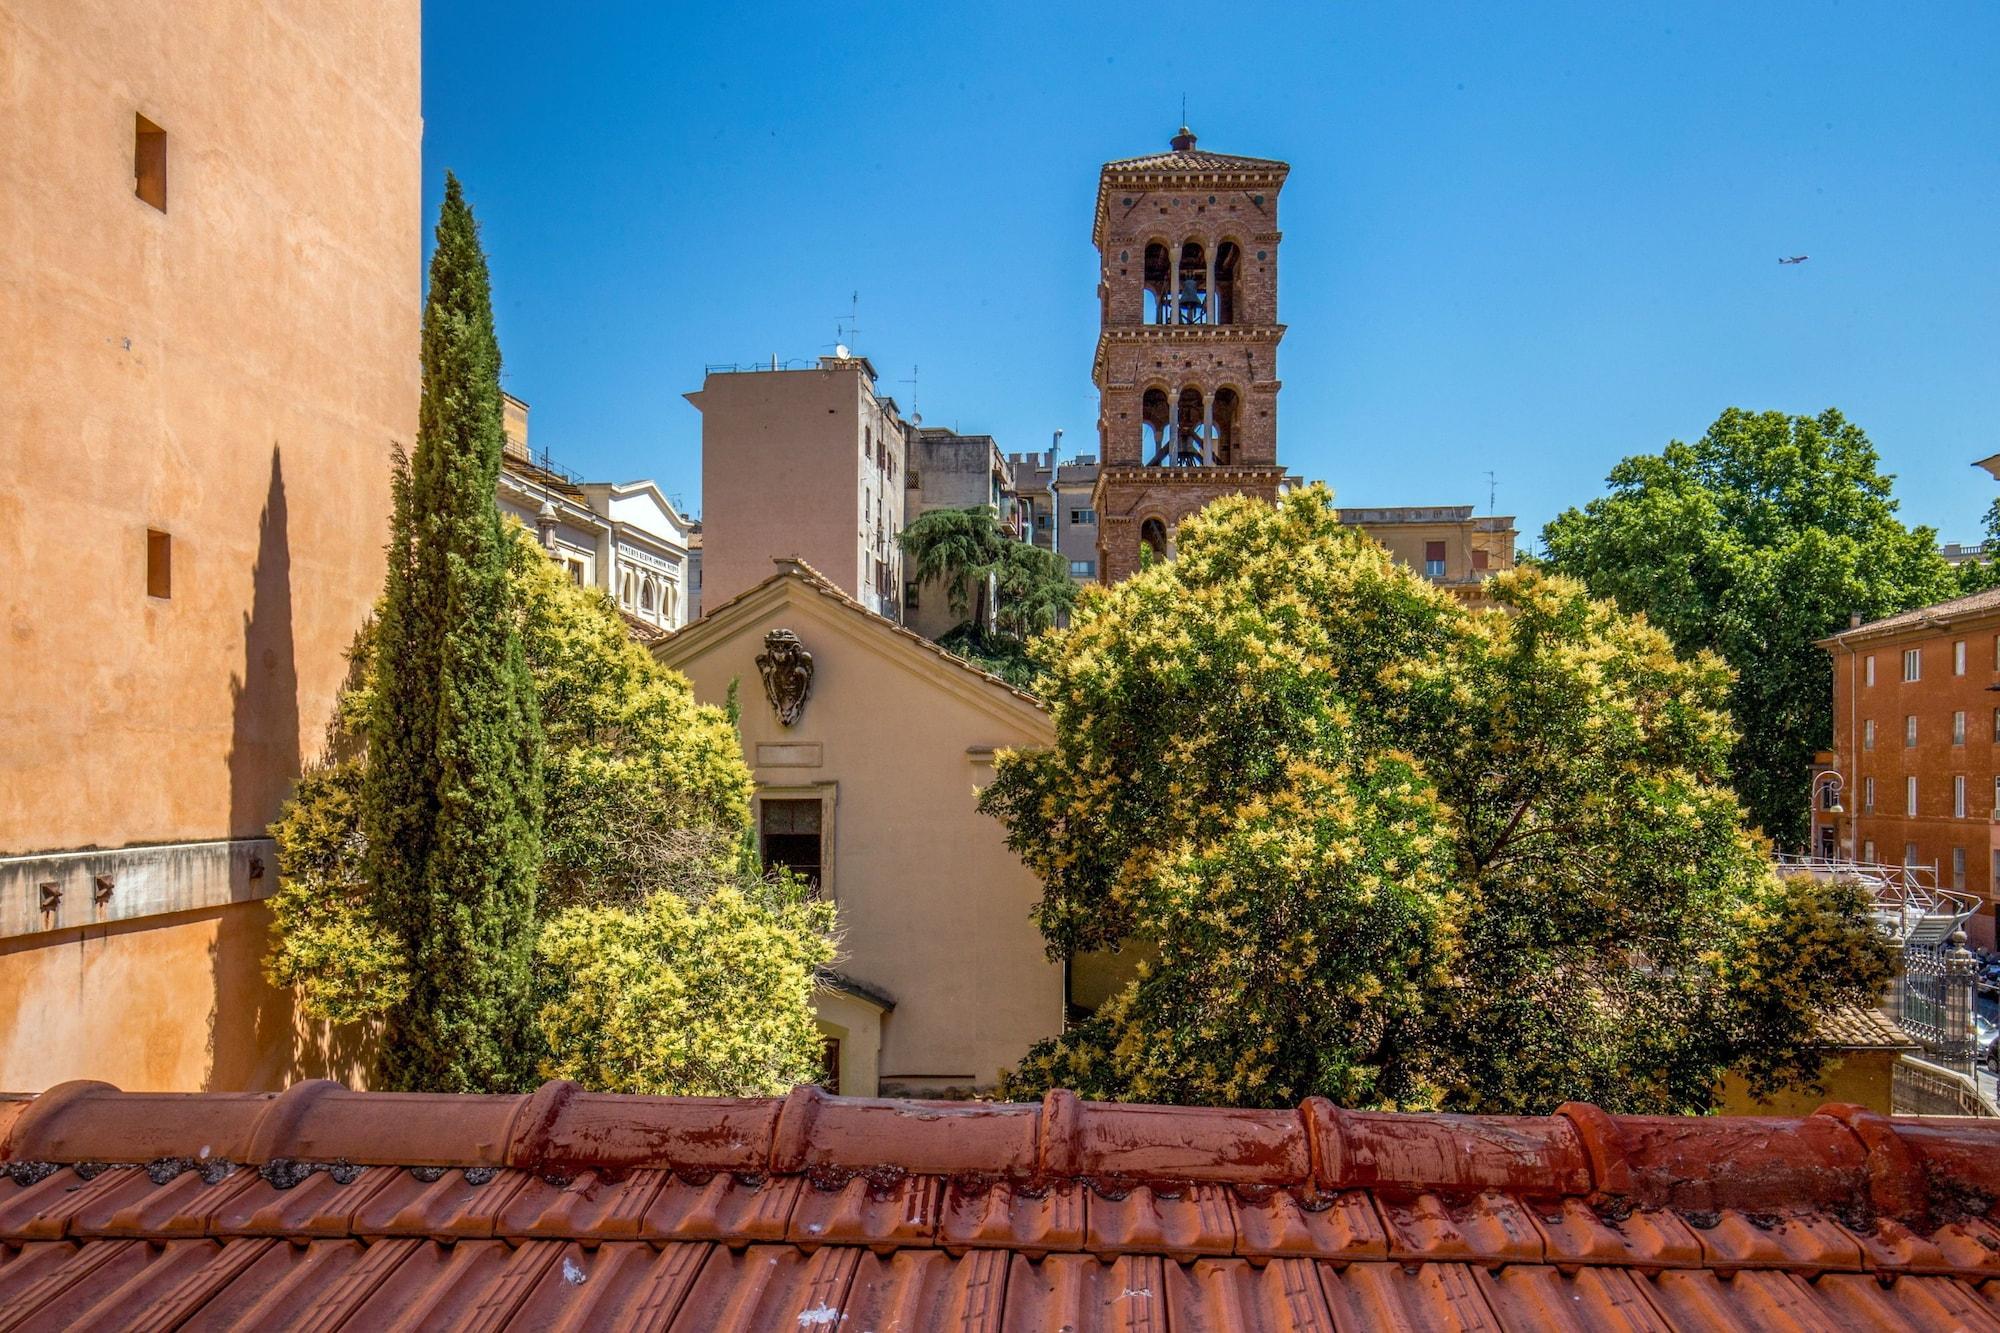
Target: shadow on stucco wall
264,729
257,1038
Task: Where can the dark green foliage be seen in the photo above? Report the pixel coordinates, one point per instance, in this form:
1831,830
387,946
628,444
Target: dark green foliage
451,805
1002,654
1756,541
971,554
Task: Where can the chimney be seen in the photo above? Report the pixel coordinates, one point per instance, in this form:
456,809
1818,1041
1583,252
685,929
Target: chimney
514,424
1854,620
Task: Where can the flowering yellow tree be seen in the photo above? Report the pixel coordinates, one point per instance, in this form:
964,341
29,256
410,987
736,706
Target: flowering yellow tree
1379,847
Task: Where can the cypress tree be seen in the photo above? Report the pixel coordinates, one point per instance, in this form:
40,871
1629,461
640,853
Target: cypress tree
452,798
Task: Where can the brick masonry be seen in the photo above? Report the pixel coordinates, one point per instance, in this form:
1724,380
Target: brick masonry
1957,745
1173,200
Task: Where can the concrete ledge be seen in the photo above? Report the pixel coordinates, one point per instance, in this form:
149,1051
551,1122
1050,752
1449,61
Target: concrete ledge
64,890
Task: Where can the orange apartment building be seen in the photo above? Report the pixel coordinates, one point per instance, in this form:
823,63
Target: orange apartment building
1916,727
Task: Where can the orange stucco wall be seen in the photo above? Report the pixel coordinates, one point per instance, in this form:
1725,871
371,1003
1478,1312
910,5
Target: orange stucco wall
170,1003
232,371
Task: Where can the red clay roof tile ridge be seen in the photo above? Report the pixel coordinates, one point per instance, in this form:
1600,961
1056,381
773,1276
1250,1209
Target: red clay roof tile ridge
1844,1159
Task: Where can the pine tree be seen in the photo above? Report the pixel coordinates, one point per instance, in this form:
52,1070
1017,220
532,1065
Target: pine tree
452,797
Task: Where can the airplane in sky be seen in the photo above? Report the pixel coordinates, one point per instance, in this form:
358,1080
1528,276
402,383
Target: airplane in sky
1795,259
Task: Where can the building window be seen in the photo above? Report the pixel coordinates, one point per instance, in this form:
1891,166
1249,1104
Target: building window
1868,730
160,564
1958,657
909,595
577,574
1434,560
829,1064
1479,560
1910,794
1958,796
1868,796
1913,664
1868,851
1909,730
789,833
149,162
1958,867
1083,516
1958,727
1083,569
1868,669
1909,853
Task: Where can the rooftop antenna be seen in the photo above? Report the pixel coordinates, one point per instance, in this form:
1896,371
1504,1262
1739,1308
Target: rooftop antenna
847,325
912,382
1492,491
1183,108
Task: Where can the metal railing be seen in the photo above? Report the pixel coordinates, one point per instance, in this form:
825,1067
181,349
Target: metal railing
1933,1000
1908,904
1918,1087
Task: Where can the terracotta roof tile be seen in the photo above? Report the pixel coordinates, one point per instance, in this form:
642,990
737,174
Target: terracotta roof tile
810,1211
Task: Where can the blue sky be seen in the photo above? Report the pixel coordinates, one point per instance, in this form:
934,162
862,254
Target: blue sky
1531,239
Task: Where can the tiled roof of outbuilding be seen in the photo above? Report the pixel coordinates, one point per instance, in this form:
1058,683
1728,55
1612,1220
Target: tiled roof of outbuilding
323,1208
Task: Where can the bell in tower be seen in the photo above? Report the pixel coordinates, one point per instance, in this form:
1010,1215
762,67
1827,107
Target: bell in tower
1186,362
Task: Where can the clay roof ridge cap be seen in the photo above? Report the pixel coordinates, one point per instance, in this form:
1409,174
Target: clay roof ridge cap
530,1138
1895,1167
792,1133
1605,1147
1059,1135
275,1133
1326,1143
35,1131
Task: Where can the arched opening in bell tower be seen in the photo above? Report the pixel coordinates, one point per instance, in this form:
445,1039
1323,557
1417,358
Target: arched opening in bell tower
1190,429
1228,257
1192,284
1153,538
1159,274
1228,406
1156,436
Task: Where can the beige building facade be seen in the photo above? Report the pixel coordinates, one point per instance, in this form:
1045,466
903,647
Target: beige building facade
1447,544
210,266
870,791
802,461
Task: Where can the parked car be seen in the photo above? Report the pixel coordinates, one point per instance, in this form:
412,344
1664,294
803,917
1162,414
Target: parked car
1986,1041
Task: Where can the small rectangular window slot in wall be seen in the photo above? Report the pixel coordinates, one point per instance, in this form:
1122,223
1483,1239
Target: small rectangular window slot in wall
159,564
149,162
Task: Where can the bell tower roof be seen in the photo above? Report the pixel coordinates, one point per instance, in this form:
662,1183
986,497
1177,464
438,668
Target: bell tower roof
1183,166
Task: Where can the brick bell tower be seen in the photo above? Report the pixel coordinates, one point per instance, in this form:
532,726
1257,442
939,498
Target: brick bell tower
1187,347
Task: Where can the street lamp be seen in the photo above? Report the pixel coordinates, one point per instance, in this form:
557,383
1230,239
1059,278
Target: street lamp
1830,782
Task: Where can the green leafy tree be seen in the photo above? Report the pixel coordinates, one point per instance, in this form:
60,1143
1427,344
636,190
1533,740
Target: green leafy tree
451,795
1754,542
647,797
1372,845
967,551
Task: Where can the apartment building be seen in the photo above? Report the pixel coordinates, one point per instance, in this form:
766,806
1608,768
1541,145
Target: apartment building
1447,544
1055,505
804,461
1915,764
625,537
